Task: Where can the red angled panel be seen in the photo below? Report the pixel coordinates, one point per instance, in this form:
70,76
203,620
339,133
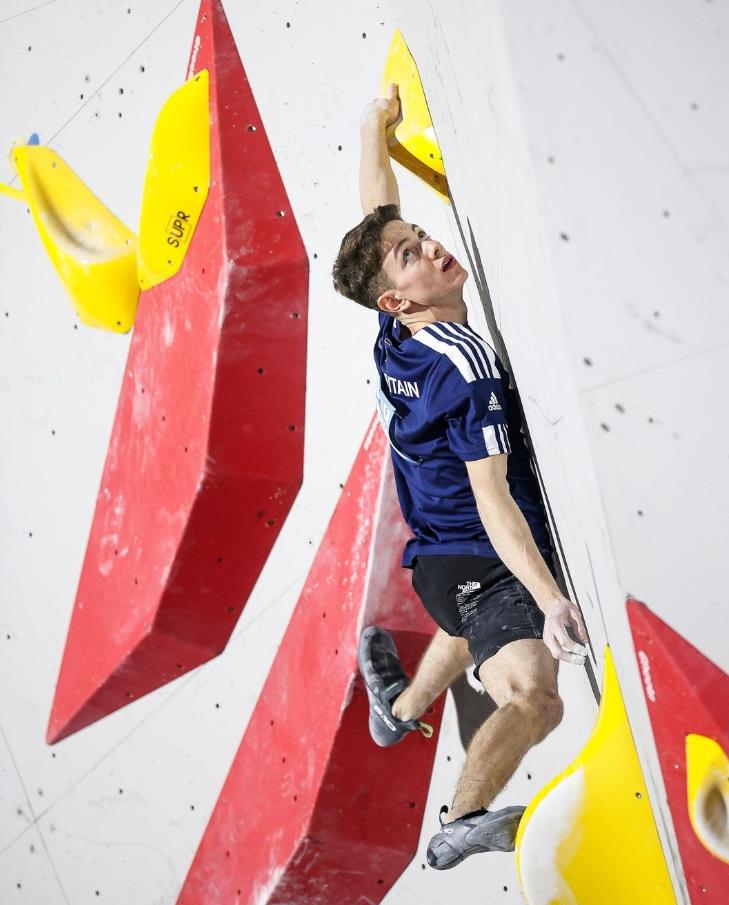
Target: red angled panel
206,452
312,811
686,693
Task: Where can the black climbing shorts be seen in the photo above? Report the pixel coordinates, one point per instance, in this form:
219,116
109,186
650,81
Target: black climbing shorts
477,598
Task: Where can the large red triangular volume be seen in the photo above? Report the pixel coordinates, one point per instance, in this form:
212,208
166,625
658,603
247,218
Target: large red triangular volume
312,811
206,452
686,693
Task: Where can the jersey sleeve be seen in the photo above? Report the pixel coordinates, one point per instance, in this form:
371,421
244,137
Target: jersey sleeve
474,412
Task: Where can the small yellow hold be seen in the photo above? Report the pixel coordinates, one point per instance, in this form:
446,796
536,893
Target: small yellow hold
11,192
412,140
707,787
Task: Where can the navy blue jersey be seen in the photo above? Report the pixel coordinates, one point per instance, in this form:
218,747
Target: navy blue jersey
444,399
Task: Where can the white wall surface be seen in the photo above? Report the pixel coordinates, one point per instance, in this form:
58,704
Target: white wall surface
115,813
590,210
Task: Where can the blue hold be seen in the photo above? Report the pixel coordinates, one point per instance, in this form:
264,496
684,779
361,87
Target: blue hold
34,139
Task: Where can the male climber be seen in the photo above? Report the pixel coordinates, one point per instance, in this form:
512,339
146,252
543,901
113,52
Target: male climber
480,554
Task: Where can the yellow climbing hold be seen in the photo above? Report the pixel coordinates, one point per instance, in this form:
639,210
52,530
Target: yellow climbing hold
11,192
412,140
707,787
93,252
177,181
589,837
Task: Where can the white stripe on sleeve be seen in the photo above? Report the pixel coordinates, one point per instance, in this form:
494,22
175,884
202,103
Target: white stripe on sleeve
506,446
492,444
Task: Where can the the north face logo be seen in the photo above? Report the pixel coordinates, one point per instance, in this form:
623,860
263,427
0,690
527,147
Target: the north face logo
494,403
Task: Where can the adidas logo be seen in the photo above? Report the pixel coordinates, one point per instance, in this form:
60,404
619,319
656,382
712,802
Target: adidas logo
494,403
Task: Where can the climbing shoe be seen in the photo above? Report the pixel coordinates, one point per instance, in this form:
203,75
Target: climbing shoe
479,831
384,679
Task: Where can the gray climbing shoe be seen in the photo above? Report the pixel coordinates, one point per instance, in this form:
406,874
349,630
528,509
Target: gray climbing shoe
479,831
384,679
